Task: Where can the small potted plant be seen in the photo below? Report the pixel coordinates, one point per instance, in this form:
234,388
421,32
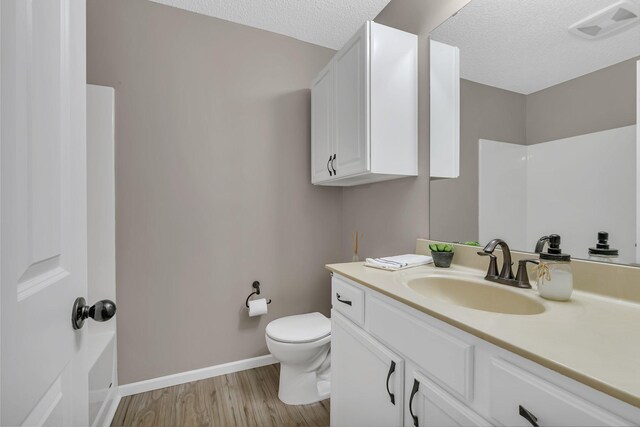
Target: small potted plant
442,254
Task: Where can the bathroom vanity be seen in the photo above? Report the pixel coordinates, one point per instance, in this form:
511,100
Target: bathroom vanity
406,351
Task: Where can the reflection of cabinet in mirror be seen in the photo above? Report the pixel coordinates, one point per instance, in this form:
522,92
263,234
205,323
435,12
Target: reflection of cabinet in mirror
444,87
364,110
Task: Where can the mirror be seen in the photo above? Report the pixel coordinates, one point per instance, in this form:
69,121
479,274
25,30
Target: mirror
548,134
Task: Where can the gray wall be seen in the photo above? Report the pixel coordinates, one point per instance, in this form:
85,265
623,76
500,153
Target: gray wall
212,183
485,113
602,100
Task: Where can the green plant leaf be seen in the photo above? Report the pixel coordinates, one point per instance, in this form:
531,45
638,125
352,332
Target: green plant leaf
440,247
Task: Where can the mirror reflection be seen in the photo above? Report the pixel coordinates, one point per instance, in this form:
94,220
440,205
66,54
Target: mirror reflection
547,127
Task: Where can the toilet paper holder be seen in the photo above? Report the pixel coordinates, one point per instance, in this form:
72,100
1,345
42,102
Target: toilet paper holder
256,286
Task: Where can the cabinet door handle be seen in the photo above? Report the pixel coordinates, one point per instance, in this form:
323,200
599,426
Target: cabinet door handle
335,172
533,420
392,369
414,390
344,301
329,161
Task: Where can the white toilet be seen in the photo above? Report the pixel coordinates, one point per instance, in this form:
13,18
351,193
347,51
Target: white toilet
302,345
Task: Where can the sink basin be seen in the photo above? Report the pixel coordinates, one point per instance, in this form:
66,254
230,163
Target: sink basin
475,294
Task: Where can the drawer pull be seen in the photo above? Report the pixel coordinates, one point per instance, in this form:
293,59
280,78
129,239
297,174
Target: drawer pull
533,420
392,369
329,161
414,390
344,301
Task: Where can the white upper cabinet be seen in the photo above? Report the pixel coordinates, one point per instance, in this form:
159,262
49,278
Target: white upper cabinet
444,86
352,96
322,129
364,110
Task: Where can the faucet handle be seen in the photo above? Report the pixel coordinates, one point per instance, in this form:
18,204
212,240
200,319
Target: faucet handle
522,277
493,264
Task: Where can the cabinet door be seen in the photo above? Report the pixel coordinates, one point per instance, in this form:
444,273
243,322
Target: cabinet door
367,380
519,398
322,125
352,115
430,406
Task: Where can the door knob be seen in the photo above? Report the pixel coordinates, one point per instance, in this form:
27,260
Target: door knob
100,311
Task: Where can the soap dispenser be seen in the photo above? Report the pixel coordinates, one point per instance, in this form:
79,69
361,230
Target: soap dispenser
602,252
555,276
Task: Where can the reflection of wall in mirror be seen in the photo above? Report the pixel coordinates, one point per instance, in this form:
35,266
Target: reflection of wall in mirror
502,194
604,99
598,101
574,187
485,113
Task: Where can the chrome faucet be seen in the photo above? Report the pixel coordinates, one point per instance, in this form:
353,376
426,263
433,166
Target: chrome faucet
521,280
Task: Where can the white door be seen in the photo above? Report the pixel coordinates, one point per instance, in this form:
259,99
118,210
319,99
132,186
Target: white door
367,379
352,102
43,259
430,406
322,126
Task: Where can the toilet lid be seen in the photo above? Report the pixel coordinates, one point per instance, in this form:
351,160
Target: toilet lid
299,328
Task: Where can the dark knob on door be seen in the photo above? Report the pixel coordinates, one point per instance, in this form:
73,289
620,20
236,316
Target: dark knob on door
100,311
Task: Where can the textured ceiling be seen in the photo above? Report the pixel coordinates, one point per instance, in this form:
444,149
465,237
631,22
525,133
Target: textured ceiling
328,23
525,46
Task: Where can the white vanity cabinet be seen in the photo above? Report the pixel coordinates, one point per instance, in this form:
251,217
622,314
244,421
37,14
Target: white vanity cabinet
367,378
364,110
443,376
433,407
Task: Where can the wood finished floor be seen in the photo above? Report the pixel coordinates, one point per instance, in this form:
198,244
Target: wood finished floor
248,398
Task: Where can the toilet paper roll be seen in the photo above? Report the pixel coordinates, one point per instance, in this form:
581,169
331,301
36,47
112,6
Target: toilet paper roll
257,307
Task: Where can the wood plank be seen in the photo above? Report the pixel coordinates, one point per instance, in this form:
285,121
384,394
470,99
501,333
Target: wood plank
121,411
192,408
247,398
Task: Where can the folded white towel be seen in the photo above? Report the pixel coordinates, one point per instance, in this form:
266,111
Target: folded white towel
399,262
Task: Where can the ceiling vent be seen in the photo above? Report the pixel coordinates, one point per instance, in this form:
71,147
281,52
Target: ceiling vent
609,20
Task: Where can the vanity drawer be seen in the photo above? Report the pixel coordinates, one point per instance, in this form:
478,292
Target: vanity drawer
347,300
514,391
445,358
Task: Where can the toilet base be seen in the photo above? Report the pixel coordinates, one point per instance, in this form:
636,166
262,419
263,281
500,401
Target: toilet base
298,387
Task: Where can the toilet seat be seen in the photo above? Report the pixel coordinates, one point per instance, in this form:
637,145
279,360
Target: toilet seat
301,328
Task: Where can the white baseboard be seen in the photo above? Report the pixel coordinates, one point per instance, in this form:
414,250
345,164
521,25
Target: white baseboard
195,375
